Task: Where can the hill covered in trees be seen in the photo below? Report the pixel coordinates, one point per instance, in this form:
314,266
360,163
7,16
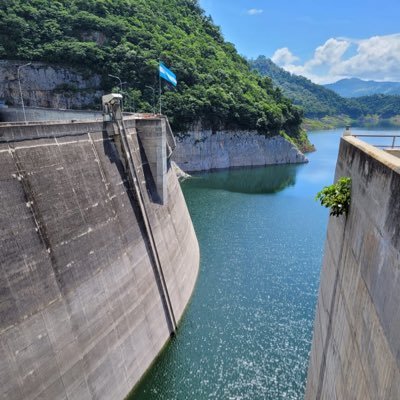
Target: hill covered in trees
127,38
318,102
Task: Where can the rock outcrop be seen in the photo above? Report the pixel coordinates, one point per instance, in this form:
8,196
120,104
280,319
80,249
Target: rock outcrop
44,85
204,150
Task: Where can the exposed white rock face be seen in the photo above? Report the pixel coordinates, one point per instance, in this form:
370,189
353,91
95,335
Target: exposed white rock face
204,150
48,86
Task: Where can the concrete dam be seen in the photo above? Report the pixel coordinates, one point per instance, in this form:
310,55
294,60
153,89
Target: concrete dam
98,253
356,342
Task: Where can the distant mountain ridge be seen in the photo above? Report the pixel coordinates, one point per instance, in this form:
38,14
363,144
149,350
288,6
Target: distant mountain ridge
354,87
319,102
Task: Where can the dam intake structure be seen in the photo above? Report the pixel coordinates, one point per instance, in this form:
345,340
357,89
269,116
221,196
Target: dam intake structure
98,253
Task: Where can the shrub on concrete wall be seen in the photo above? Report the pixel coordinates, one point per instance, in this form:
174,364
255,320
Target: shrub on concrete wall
337,197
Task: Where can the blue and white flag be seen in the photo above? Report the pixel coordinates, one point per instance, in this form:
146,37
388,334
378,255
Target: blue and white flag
168,75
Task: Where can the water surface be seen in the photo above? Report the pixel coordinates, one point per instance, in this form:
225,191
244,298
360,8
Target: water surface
247,332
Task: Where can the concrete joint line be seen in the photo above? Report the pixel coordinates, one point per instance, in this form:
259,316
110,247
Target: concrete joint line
132,171
322,368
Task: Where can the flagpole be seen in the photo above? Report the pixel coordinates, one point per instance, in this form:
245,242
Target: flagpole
168,75
159,81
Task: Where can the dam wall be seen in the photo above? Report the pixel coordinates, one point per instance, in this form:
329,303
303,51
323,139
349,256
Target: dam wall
356,342
38,114
84,310
201,150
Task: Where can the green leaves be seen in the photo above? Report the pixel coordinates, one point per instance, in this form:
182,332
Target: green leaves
316,100
320,102
127,38
337,197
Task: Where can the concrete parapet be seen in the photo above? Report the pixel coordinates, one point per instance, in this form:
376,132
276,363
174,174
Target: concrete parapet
16,114
394,152
356,343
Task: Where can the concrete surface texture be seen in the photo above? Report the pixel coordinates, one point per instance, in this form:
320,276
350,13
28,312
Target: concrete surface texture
36,114
201,150
45,85
394,152
356,344
82,313
152,135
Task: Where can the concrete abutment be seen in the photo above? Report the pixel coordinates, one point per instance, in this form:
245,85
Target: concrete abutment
356,343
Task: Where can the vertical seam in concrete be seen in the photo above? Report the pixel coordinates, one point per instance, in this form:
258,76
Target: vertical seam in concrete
101,170
322,368
30,201
156,261
55,358
70,181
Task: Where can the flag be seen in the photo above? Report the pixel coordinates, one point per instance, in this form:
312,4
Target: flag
168,75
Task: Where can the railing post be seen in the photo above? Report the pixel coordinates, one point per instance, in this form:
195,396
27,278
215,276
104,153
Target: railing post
394,139
347,132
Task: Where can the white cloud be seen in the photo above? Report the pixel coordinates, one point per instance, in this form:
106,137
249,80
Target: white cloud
284,56
254,11
375,58
329,53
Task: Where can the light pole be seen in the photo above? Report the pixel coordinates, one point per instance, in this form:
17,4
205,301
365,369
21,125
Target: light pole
117,77
132,101
154,98
120,85
20,88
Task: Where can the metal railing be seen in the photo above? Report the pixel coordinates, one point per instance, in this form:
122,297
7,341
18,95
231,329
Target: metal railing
392,144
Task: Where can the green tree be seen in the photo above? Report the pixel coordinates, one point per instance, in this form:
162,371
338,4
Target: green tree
128,37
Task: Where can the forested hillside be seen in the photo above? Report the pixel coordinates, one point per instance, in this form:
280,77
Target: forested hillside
316,100
320,102
127,38
381,104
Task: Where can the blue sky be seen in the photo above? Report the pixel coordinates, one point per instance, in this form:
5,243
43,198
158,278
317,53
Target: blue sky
322,40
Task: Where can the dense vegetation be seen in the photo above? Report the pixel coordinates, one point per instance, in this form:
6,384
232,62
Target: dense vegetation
337,197
322,103
127,38
380,104
355,87
316,100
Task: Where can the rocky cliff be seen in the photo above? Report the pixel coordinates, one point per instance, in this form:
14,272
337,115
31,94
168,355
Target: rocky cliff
205,150
44,85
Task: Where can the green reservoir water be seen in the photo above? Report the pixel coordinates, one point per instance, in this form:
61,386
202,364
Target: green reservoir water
247,331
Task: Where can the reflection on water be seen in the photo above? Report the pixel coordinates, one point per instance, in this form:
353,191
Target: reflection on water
258,180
